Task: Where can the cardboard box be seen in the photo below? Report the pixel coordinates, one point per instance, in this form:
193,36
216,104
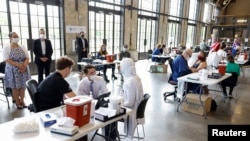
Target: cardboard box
162,68
192,104
79,109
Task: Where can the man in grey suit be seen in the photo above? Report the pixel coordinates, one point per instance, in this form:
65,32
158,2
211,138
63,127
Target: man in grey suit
43,51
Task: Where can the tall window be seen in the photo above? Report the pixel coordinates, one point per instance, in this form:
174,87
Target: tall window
54,30
146,35
19,20
147,25
193,11
207,16
4,29
26,18
192,16
173,34
191,36
175,9
105,26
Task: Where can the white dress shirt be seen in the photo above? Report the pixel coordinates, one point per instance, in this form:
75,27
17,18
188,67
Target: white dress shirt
83,42
43,47
99,87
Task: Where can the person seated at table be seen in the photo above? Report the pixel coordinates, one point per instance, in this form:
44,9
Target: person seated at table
54,89
132,92
92,83
157,51
199,64
231,67
180,65
102,55
123,54
181,68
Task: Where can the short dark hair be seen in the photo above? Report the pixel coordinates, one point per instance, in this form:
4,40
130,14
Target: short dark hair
87,67
64,62
230,58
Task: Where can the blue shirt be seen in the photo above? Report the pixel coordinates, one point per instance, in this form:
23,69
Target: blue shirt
180,67
156,52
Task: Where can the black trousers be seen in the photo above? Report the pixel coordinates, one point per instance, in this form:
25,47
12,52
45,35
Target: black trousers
41,68
105,67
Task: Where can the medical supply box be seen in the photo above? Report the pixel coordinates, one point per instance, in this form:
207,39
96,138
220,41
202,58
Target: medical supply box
78,108
192,103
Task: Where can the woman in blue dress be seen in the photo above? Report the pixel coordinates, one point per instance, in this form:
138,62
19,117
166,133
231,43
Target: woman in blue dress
16,70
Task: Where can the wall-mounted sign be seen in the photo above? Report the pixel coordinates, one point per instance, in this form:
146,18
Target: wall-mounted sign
75,29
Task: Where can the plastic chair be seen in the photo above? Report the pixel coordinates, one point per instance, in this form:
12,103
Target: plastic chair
32,86
140,114
172,83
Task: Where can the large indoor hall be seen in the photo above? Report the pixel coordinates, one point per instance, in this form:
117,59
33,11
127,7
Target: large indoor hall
162,121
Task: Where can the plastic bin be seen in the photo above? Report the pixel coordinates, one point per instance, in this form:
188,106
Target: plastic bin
79,108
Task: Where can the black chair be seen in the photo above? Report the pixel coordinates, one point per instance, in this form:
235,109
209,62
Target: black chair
6,91
140,114
172,83
32,86
230,82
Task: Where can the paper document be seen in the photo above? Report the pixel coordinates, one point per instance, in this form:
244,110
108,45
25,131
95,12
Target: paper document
106,111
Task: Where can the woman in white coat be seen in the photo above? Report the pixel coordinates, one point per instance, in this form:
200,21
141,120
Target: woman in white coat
132,93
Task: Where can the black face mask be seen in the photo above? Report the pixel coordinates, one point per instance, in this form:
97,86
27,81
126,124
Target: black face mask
82,36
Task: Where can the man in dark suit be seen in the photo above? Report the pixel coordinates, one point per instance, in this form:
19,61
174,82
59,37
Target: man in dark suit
43,51
82,48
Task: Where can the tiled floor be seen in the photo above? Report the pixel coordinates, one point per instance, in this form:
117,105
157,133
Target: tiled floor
162,120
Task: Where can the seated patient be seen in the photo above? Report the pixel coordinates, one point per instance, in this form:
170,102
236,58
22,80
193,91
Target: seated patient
53,89
157,51
102,55
231,68
98,84
199,64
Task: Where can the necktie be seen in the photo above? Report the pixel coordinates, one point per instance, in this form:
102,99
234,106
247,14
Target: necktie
91,88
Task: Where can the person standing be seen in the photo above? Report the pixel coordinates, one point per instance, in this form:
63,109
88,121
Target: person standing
16,69
82,49
43,51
